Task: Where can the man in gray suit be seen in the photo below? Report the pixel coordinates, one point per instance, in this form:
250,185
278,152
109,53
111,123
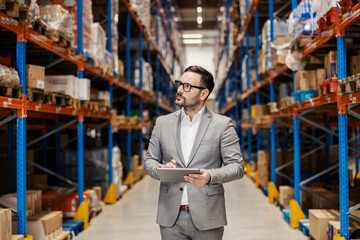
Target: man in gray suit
194,137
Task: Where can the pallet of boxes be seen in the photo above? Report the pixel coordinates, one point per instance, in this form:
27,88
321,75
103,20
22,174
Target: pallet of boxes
9,82
40,225
137,169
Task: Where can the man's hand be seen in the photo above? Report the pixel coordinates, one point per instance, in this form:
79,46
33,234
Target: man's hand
171,164
199,180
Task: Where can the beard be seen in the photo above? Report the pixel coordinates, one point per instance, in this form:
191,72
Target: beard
181,101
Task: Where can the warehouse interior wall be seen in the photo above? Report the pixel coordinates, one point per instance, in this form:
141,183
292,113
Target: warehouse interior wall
202,56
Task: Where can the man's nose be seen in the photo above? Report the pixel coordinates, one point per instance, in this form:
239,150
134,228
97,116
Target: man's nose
180,89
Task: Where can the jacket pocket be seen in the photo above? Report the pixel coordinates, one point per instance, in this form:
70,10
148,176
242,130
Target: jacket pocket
212,190
164,188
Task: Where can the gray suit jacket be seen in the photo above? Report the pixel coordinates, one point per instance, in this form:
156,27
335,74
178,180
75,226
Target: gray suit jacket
216,148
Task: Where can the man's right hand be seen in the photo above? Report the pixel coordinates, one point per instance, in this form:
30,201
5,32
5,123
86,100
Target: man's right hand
171,164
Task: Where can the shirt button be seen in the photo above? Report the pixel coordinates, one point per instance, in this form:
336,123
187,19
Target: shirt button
181,189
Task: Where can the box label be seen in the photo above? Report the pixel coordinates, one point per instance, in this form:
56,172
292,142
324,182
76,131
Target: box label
40,84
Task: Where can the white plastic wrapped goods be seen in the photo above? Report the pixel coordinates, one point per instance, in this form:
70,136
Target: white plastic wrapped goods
293,63
98,46
321,7
57,18
9,76
33,13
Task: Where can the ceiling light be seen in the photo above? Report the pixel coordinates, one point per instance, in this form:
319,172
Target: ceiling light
176,19
192,41
199,20
192,36
199,9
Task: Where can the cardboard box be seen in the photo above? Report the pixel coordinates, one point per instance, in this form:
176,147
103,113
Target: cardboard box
66,84
330,61
286,194
82,91
263,166
5,224
29,157
306,80
354,65
320,75
36,199
260,110
279,41
10,201
245,114
33,179
319,220
35,76
134,163
17,237
45,225
97,189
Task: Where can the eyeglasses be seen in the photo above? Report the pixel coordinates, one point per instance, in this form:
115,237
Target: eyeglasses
186,86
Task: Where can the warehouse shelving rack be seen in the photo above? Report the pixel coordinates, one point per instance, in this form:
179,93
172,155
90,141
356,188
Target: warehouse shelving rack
21,109
343,105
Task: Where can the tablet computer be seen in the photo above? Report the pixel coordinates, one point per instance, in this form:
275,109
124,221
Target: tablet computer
175,174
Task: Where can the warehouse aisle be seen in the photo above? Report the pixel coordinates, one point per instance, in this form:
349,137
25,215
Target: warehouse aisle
249,215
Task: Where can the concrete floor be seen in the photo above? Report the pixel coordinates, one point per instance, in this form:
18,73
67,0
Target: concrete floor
249,215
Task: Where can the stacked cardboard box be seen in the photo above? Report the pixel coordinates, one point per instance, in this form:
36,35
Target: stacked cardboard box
33,201
5,224
78,88
35,76
306,80
45,225
286,194
135,168
330,66
263,166
319,219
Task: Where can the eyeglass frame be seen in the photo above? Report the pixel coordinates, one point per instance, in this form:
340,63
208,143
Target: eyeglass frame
191,86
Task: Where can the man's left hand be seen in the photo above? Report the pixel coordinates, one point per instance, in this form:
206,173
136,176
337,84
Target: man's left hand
199,180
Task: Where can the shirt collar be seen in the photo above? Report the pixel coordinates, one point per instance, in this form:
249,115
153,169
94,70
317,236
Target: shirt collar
196,117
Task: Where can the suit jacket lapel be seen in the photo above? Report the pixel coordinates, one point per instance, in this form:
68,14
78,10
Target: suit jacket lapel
177,136
204,124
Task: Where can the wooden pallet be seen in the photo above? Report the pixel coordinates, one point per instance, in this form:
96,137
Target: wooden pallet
16,10
58,37
39,26
75,103
91,106
59,99
64,235
35,95
6,90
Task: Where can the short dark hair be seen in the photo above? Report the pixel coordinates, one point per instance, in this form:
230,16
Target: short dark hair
207,78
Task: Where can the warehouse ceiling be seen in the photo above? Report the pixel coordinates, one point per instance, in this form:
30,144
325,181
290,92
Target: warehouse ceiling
188,13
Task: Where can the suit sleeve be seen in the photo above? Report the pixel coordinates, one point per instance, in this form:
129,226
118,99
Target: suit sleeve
154,155
233,167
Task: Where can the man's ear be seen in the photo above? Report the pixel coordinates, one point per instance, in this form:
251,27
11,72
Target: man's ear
204,94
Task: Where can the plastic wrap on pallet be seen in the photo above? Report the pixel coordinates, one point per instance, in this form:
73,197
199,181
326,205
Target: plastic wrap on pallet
57,18
9,76
33,13
98,43
280,30
303,19
293,63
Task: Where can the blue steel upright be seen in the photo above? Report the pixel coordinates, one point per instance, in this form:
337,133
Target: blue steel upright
110,135
21,139
248,87
81,117
343,141
157,64
235,65
140,101
10,163
272,95
128,80
258,137
297,157
57,151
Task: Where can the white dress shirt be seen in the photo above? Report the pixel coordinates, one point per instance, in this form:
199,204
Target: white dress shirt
188,134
